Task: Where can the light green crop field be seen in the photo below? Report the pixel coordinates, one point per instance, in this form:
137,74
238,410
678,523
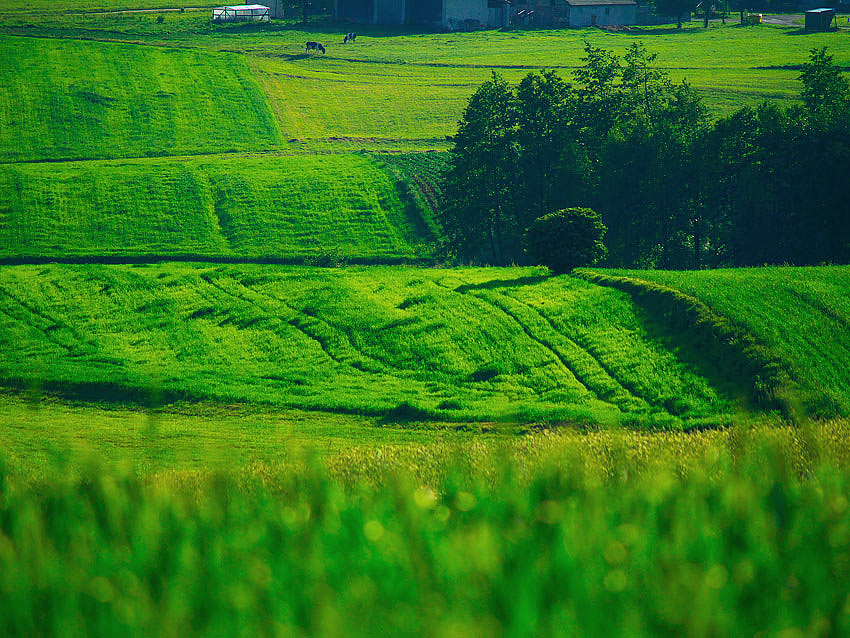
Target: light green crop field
393,88
234,205
400,343
801,314
68,99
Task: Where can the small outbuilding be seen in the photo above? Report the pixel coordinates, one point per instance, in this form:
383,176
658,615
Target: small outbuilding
819,19
601,13
242,13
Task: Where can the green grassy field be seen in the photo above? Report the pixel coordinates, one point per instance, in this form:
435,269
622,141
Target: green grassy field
801,314
252,449
401,343
69,99
235,205
606,534
400,89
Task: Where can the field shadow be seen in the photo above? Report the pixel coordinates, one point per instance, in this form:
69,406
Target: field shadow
503,283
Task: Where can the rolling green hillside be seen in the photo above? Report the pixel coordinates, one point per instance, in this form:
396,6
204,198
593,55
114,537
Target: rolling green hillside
67,99
802,316
460,344
394,88
281,206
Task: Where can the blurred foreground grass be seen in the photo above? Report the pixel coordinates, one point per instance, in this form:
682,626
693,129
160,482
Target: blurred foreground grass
739,532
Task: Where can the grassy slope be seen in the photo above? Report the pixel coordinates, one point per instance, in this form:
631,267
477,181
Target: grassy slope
465,344
411,87
73,99
286,206
801,314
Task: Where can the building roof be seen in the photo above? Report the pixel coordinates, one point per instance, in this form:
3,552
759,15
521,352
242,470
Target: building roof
243,7
598,3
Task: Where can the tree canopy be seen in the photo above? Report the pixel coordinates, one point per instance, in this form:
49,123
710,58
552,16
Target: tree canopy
674,188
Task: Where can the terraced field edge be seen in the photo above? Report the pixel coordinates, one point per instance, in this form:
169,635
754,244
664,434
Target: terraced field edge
726,346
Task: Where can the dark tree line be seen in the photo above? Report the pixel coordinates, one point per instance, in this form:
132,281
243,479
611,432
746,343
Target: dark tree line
675,189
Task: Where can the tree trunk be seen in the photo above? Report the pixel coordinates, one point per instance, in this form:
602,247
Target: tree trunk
679,19
697,244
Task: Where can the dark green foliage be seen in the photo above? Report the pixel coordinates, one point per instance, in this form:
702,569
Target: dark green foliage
674,8
772,189
674,189
479,216
825,89
566,239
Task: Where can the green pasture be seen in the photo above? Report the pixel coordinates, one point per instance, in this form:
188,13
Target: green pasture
207,88
70,99
735,533
801,314
405,344
33,8
286,206
38,430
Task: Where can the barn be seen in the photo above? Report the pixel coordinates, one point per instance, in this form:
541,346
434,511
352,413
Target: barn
601,13
448,14
575,13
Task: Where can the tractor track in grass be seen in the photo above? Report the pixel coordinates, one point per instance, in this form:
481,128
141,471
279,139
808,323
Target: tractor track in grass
301,322
80,342
581,347
543,343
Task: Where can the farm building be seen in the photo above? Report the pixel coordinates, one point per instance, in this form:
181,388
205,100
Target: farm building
583,13
448,14
242,13
601,13
819,19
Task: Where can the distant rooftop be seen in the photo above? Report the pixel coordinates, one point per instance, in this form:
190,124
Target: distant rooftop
243,7
598,3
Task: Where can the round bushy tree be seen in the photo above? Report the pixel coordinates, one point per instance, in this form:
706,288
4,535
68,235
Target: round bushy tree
567,239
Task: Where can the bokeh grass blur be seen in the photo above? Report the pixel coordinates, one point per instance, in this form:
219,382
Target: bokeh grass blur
743,532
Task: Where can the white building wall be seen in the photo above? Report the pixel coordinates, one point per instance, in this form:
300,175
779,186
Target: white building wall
465,14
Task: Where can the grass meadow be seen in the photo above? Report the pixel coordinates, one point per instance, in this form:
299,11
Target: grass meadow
405,344
399,89
286,206
801,314
742,532
302,447
73,99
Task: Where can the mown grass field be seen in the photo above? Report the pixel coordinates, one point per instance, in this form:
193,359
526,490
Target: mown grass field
801,314
405,344
71,99
236,205
395,88
268,450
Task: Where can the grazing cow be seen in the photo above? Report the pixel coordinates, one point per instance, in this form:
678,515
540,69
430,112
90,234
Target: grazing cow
315,46
350,37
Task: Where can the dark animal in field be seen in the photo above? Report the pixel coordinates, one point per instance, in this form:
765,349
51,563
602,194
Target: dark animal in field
349,37
315,46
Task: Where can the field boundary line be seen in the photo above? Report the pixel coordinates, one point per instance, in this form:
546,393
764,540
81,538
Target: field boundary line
263,260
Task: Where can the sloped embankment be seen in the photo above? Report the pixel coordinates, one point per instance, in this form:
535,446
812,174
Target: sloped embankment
782,332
